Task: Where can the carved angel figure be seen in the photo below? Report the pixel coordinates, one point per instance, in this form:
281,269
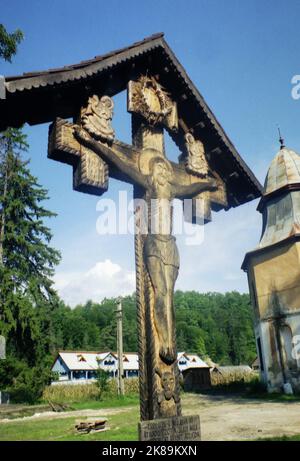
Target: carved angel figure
97,116
196,162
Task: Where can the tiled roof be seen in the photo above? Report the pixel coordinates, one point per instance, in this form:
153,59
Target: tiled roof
82,360
83,69
85,361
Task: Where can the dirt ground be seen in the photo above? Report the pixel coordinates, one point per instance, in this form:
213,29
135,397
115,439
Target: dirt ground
222,417
236,418
69,414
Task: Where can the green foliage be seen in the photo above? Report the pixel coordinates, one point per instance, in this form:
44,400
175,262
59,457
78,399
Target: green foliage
102,378
27,261
217,325
24,383
211,324
93,326
123,426
9,43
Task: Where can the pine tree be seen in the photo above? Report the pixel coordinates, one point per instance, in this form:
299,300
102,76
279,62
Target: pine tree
9,42
27,261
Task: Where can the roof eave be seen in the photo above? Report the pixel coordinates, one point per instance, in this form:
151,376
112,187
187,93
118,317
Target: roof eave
291,238
70,75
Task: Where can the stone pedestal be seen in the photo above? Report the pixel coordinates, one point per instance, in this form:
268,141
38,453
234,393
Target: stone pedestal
178,428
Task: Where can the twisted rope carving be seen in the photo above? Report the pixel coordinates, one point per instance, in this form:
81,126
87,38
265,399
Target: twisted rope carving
153,353
141,320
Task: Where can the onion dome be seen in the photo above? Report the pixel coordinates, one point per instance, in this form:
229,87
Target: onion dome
284,171
280,203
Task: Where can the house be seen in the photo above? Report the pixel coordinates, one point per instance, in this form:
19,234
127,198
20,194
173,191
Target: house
81,366
194,371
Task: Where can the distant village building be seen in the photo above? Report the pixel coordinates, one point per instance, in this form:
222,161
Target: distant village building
75,367
273,270
81,366
195,372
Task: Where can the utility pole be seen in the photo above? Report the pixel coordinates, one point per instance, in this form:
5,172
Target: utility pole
119,316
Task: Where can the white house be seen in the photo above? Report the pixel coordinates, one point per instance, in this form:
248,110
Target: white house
80,366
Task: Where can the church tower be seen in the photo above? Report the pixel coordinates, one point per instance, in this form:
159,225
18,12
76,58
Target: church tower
273,270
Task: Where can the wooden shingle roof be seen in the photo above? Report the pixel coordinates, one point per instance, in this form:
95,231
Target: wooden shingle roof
39,97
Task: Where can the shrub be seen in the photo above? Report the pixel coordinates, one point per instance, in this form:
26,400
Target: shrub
102,378
24,384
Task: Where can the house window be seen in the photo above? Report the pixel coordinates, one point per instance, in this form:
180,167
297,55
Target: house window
81,358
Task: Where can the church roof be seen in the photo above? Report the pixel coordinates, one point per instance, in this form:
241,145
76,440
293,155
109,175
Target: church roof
280,202
41,97
284,171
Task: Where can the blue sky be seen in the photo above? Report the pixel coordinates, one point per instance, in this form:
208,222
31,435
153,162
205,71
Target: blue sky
240,54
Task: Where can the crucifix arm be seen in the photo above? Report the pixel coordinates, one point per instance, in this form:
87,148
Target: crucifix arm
112,154
189,191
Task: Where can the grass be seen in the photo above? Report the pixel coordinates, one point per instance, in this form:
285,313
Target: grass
284,438
123,426
114,402
20,411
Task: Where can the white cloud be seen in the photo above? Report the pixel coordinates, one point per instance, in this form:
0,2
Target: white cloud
104,279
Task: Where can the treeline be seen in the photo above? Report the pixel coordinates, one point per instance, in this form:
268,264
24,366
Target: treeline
211,324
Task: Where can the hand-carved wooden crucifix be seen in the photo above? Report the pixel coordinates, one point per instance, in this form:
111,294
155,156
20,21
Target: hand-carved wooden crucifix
89,145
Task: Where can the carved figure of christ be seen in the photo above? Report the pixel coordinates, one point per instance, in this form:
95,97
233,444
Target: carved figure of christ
162,184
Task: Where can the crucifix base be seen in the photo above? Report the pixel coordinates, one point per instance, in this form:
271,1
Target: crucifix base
178,428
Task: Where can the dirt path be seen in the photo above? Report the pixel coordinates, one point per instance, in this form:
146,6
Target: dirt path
236,418
69,414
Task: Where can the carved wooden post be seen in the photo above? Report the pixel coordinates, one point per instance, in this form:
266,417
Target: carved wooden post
152,370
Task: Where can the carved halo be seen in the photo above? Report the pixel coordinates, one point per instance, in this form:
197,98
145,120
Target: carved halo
148,98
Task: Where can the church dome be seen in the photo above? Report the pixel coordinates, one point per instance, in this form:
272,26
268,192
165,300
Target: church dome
284,170
280,203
